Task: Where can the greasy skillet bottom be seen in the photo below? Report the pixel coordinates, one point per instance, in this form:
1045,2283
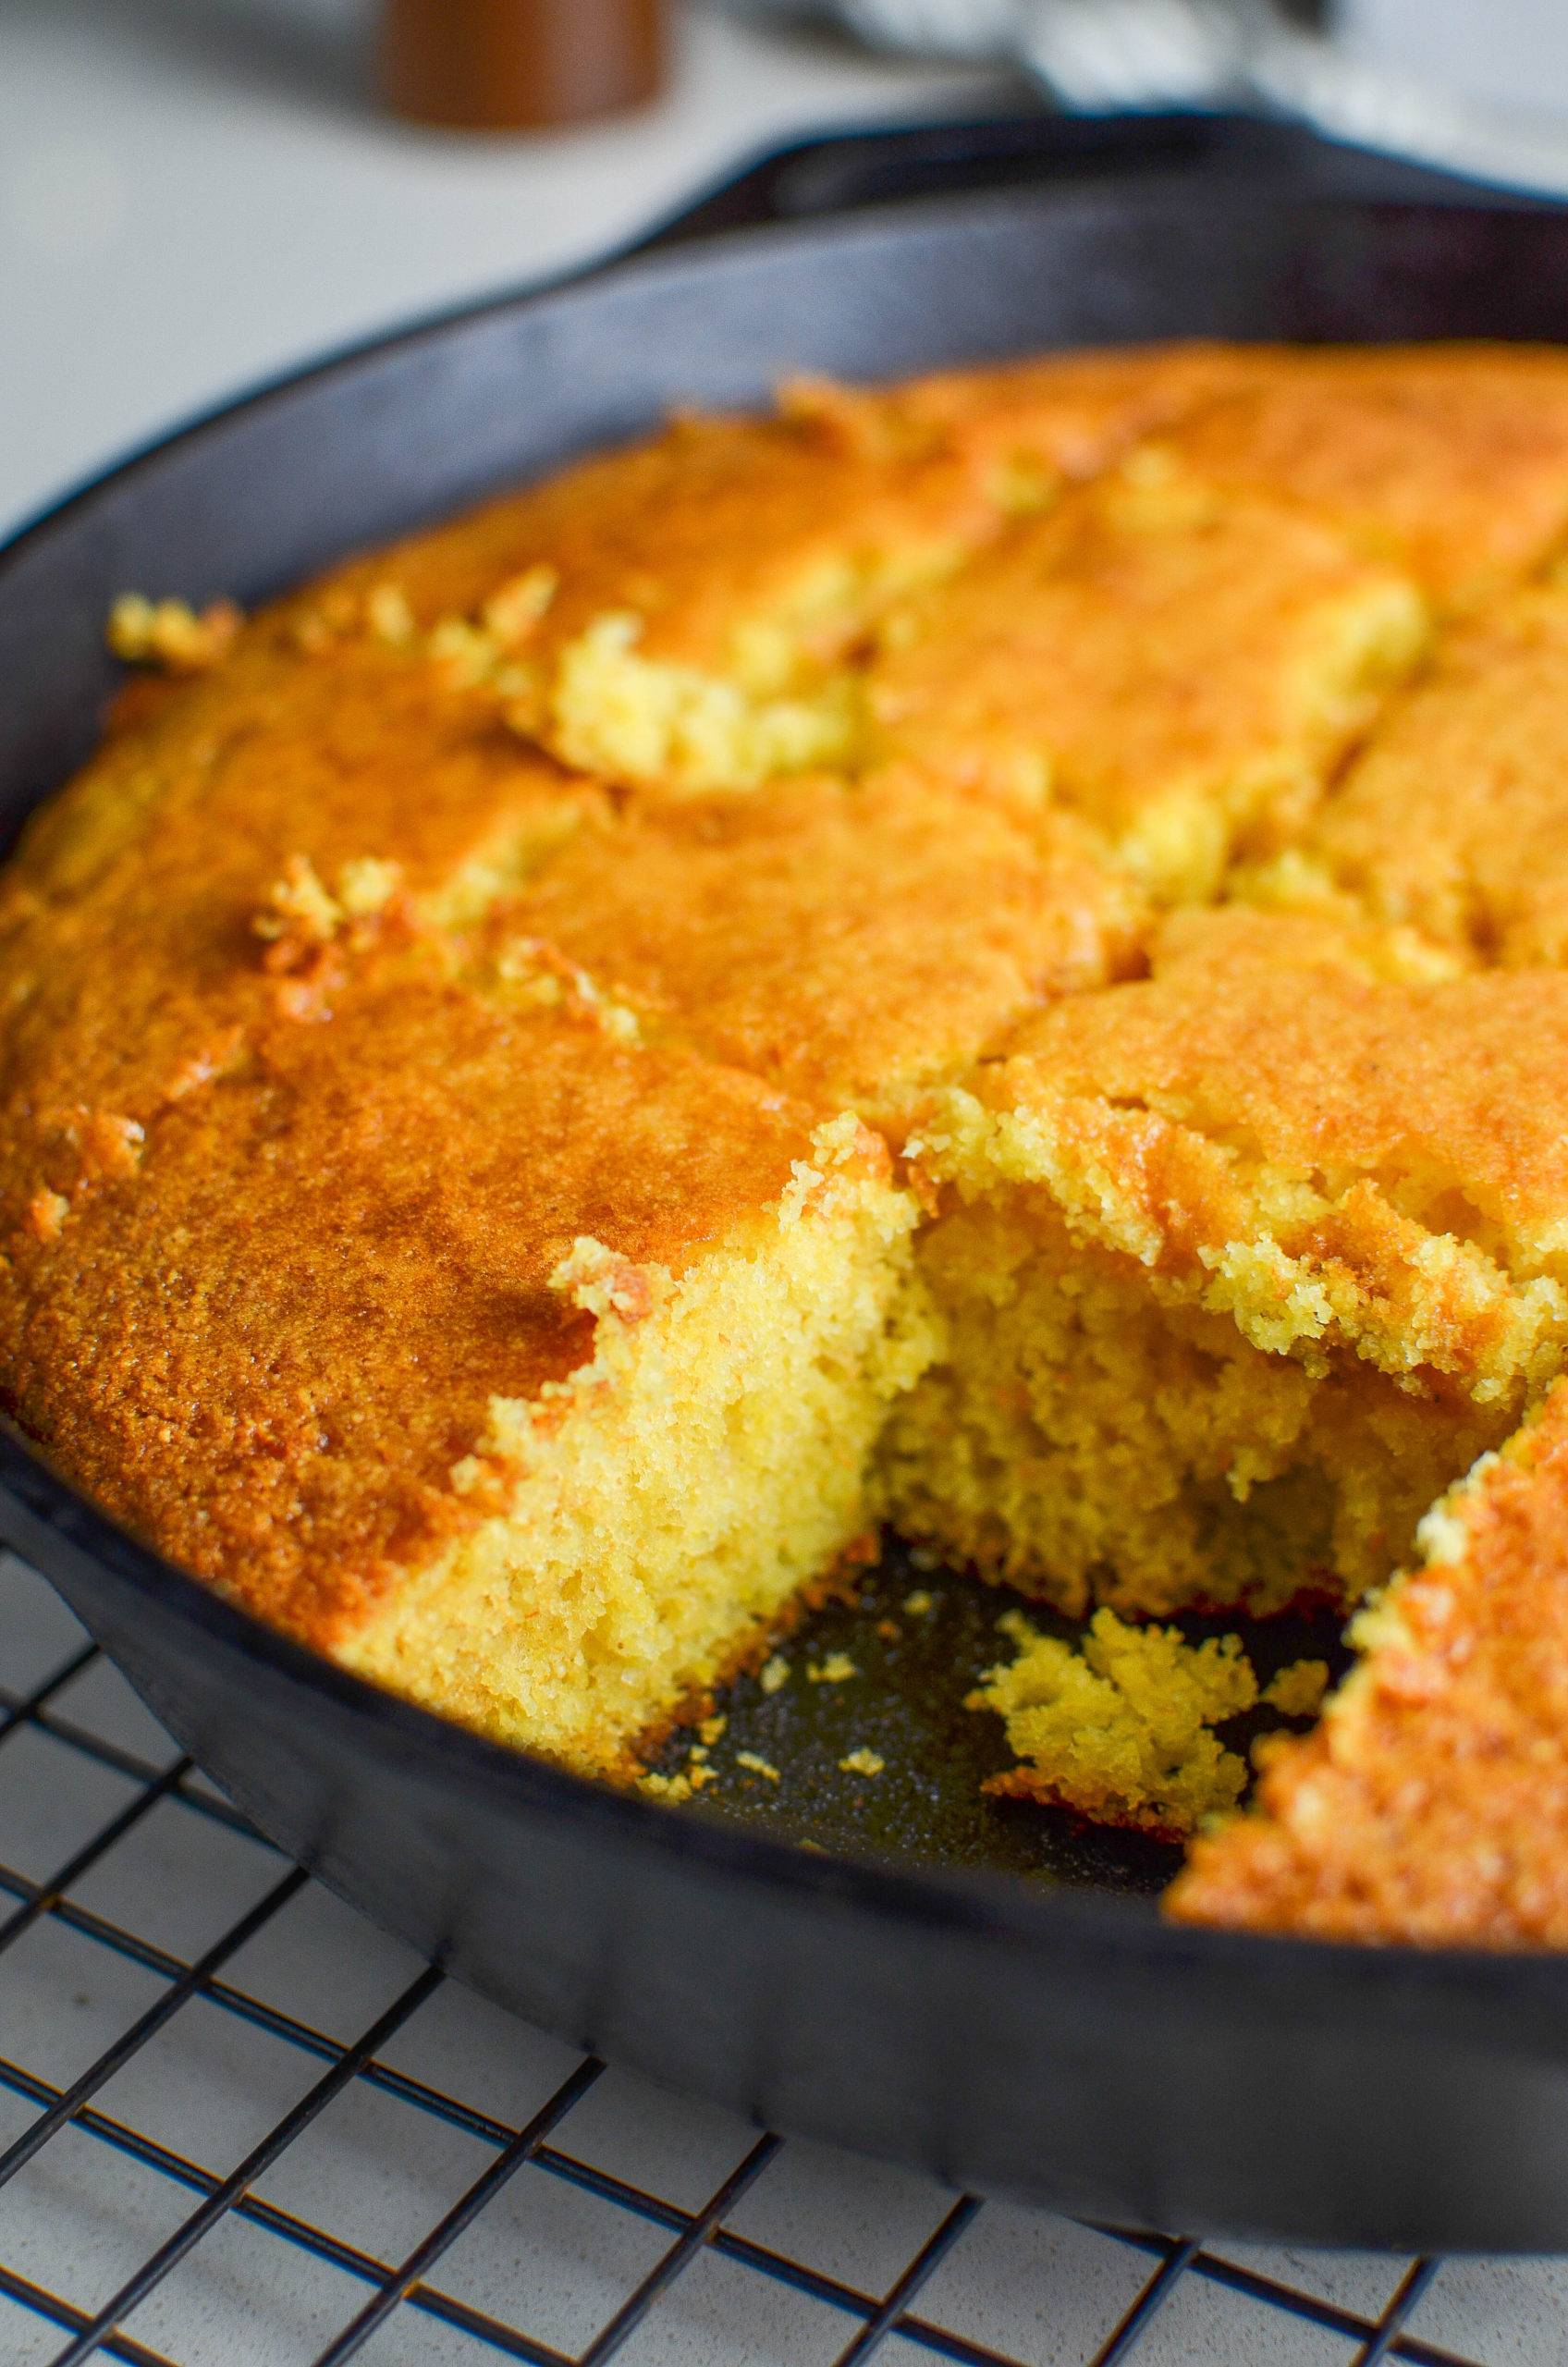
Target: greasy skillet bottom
906,1704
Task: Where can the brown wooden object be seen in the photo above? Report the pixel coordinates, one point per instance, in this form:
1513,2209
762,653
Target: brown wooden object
520,64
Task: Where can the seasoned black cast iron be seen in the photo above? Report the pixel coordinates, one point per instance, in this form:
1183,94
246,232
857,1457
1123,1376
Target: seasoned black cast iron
1055,2043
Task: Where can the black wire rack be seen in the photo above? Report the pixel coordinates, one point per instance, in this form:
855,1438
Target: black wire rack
172,1989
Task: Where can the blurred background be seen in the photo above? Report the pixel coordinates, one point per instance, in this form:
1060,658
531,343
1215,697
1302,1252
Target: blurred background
196,194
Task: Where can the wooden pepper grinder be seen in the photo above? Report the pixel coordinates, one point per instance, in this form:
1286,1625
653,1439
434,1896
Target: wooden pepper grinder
520,64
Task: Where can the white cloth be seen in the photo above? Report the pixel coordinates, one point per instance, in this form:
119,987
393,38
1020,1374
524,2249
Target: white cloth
1101,55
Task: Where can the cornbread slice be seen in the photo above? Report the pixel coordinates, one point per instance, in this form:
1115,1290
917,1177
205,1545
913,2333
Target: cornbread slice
1178,665
1239,1267
1124,1729
523,1369
1455,816
1431,1803
852,946
679,616
1451,462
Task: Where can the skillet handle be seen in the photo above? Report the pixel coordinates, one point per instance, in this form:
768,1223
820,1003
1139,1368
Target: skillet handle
847,171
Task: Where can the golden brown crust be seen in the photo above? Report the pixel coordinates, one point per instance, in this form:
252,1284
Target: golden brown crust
1450,460
1431,1805
852,945
1455,817
720,516
1178,664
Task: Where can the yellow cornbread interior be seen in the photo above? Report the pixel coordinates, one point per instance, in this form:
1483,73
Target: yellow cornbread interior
654,1513
1092,1437
637,719
1122,1728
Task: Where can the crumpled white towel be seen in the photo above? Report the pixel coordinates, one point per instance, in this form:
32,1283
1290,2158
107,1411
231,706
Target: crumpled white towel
1100,56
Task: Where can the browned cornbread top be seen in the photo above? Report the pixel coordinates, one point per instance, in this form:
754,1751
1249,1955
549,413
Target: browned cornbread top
1448,460
126,919
819,513
1177,665
1431,1805
1455,817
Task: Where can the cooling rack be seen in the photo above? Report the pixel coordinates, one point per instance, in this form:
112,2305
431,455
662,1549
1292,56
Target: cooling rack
238,2127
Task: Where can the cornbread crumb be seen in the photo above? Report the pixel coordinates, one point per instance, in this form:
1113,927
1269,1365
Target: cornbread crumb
46,1214
512,611
170,633
711,1729
1121,1728
389,616
837,1669
862,1762
918,1603
775,1673
758,1766
1297,1691
367,885
298,904
642,720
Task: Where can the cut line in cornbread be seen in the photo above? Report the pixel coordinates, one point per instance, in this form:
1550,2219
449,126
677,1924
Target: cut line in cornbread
1431,1803
853,946
1238,1266
1178,665
1454,819
690,607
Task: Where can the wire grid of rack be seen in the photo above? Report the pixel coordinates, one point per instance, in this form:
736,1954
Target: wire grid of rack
239,2125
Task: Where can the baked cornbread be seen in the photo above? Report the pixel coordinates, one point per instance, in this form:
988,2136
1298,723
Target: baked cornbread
1447,461
852,945
1431,1803
982,954
536,1369
360,1268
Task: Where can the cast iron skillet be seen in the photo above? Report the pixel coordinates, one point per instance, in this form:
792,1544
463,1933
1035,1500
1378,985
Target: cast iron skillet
1058,2045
